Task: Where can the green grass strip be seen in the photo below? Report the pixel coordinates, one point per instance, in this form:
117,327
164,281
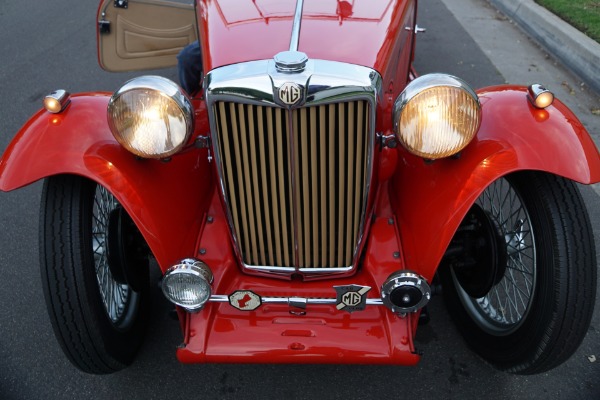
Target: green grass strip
582,14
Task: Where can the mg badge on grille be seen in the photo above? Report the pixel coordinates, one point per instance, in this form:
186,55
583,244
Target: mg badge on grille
351,297
245,300
290,93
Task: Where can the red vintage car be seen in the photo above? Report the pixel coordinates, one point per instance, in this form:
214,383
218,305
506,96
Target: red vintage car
305,205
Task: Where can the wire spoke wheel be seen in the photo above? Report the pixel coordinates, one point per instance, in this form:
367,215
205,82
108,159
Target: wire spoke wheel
519,276
116,297
506,305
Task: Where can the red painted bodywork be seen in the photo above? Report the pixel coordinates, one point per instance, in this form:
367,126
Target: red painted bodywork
417,205
370,36
378,35
512,137
167,200
221,333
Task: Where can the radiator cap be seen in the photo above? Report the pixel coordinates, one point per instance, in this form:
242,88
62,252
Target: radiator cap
290,61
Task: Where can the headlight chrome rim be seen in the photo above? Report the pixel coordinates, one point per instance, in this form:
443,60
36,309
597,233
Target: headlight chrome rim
156,89
194,269
421,86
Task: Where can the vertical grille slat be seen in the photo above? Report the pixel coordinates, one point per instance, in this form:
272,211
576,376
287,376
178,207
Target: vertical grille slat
324,190
332,209
341,204
273,188
285,186
256,178
266,219
298,182
251,207
314,192
361,160
231,167
295,181
351,159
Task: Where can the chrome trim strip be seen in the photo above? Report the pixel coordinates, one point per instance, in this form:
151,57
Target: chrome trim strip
296,26
273,269
292,153
222,298
309,273
320,271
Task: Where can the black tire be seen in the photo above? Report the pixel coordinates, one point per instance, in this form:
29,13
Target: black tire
99,326
543,257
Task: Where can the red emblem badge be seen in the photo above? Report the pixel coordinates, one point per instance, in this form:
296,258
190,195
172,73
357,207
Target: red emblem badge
245,300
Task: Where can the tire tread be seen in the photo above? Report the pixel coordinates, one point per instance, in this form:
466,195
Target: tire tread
563,303
65,291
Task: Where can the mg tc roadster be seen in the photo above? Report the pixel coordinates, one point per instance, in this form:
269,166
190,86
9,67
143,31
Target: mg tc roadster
307,202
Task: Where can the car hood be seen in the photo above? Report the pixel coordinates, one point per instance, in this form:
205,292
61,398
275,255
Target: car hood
361,32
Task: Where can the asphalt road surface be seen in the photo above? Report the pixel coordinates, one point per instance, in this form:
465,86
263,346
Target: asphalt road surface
50,45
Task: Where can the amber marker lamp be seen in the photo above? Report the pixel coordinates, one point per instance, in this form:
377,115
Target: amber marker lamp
57,101
539,96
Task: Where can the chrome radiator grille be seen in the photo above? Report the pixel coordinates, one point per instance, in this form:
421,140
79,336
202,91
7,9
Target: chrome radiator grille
295,181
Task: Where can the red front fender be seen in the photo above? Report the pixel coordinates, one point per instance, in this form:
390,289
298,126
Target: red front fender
431,199
167,200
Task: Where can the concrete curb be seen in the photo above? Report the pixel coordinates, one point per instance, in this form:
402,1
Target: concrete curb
575,50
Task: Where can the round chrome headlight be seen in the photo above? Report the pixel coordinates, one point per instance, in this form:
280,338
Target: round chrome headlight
188,284
436,116
151,117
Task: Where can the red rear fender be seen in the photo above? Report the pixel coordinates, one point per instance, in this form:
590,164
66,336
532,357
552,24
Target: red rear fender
167,200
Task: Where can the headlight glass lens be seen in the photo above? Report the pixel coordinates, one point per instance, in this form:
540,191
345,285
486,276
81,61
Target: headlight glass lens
188,291
437,116
151,117
188,284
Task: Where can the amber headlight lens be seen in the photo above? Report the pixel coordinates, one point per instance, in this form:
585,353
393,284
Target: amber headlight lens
436,116
151,117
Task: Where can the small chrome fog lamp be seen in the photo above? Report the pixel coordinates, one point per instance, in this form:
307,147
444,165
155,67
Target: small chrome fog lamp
57,101
405,292
539,96
188,284
151,117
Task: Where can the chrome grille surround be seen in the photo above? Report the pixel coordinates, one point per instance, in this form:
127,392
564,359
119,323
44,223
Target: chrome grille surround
244,102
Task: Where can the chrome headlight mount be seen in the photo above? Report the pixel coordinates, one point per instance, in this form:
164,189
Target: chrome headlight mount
151,117
436,116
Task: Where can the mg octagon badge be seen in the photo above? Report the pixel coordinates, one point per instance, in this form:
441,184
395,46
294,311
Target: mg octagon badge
290,93
351,297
